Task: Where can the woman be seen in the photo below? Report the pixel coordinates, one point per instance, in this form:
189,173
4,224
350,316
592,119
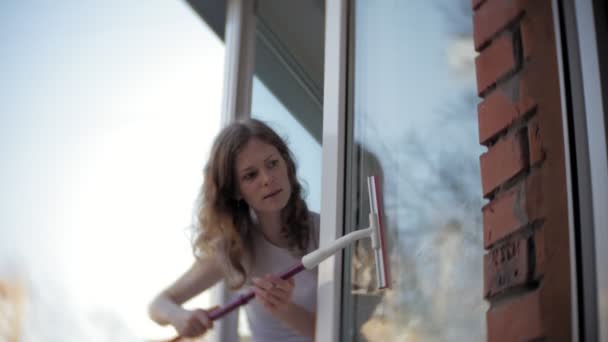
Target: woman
252,223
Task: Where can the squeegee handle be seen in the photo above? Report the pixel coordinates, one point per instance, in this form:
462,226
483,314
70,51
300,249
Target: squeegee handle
246,297
312,259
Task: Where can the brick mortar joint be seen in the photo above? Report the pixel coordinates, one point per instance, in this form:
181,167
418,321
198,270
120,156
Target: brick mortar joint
520,177
509,185
503,81
522,121
515,34
524,232
539,164
509,27
506,296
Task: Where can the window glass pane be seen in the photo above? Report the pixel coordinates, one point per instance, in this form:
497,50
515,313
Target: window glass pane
412,121
288,87
306,149
288,82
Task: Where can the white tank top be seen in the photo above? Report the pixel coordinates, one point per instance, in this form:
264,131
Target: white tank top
274,260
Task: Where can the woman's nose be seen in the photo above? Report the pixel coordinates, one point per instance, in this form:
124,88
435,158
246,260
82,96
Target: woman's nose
266,177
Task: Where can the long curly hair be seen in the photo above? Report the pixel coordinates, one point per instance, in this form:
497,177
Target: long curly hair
224,225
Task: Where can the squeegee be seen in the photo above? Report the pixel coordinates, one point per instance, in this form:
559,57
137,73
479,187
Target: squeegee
311,260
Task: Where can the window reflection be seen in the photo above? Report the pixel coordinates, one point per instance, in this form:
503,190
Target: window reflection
413,123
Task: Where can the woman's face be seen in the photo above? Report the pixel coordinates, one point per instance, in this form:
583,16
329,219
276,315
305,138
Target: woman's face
262,177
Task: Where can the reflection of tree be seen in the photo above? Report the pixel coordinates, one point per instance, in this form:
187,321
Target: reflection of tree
11,310
436,230
34,307
432,205
435,227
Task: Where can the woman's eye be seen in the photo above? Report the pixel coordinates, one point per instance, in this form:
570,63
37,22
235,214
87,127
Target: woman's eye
249,176
273,163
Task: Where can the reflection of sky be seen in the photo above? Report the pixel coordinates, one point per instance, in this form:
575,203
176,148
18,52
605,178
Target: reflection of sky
305,148
404,76
108,109
415,72
415,111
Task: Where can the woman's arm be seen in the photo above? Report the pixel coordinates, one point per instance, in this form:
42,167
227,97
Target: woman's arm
166,307
299,319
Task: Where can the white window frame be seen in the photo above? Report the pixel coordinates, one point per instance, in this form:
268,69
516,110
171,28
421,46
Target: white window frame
239,60
329,290
596,142
238,79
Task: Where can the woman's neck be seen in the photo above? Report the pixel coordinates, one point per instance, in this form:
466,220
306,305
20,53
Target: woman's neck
270,226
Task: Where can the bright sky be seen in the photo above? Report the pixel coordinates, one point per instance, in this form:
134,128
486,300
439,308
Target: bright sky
107,113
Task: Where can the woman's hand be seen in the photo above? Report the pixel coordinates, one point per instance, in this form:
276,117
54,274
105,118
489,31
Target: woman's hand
274,293
276,296
192,323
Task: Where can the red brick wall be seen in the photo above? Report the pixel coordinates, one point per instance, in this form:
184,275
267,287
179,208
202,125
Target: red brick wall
527,264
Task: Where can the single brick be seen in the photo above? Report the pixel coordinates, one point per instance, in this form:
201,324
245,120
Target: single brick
513,210
517,319
494,62
500,219
493,17
506,266
503,161
503,106
517,261
495,114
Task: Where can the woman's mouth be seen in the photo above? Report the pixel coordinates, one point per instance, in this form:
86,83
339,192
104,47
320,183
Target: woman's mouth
272,194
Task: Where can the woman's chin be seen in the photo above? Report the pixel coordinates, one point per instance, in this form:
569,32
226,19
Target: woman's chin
272,205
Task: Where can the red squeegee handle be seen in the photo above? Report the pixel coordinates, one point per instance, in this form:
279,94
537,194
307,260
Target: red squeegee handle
243,299
246,297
